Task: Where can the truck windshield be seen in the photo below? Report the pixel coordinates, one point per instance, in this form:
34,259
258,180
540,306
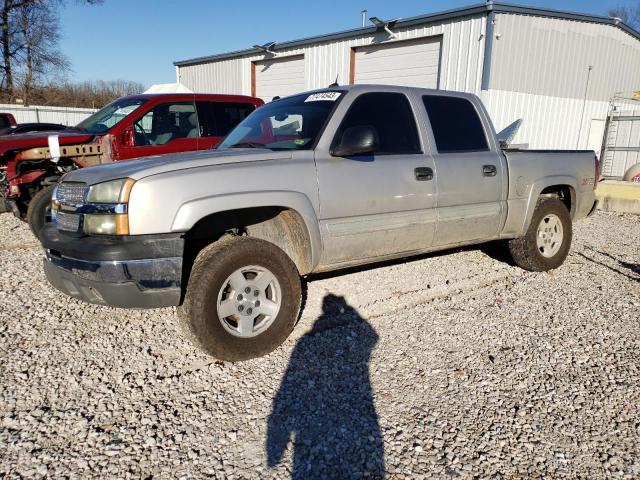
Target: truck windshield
107,117
292,123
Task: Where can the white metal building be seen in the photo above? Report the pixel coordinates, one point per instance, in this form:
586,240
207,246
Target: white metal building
557,70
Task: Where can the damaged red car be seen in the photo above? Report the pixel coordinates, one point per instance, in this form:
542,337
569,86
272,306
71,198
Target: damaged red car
130,127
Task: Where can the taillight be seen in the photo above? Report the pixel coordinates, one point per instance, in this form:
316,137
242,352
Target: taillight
596,177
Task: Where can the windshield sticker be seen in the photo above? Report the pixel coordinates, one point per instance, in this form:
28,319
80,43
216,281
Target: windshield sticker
324,97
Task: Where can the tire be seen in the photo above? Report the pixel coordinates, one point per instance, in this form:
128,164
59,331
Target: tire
210,286
39,210
527,252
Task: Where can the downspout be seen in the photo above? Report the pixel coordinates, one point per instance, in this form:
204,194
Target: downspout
488,46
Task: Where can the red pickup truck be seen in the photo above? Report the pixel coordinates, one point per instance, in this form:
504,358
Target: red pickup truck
130,127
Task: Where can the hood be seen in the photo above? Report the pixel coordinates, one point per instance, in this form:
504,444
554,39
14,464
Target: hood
145,167
25,141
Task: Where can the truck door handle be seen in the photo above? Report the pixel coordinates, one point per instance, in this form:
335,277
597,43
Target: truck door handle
489,170
423,174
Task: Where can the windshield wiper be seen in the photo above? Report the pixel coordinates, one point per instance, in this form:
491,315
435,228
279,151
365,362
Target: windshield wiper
248,145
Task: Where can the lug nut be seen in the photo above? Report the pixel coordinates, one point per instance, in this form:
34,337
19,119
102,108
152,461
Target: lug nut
249,310
256,293
247,290
257,303
239,298
240,308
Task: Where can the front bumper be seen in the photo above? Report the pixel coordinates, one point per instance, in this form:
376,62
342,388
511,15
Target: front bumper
116,275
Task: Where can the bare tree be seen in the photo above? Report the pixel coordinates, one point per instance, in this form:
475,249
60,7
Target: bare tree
8,10
27,42
86,94
628,14
39,28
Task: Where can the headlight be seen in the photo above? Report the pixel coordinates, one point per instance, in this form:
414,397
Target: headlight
114,191
108,202
106,224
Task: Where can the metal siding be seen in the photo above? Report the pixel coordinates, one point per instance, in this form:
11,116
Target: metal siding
460,66
532,55
549,122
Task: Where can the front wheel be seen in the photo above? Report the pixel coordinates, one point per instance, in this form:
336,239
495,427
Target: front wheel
242,299
548,239
39,210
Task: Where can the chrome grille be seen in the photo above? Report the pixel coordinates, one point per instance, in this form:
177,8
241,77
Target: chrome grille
67,221
71,193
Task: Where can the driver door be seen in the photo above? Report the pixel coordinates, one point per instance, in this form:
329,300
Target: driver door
380,204
169,127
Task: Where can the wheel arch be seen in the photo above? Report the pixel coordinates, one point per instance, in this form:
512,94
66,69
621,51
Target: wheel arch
563,187
286,220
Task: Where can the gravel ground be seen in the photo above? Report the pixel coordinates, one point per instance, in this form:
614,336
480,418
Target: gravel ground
455,364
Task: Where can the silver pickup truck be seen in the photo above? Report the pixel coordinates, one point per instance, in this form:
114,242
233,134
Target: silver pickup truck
313,182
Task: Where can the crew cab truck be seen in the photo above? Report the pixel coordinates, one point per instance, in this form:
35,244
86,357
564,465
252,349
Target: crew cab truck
130,127
308,183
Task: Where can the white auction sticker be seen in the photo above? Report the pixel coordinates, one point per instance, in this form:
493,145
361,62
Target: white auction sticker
54,148
324,97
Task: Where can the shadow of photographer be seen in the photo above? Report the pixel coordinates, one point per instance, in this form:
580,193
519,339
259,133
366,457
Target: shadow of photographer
324,405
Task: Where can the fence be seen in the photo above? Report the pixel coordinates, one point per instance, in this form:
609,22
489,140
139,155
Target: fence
36,113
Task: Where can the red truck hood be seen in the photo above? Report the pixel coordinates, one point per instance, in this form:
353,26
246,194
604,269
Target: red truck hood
41,139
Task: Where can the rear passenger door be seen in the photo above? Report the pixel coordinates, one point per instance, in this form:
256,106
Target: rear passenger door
378,204
469,171
217,119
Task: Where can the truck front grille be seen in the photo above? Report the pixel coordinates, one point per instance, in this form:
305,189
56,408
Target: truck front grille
71,193
67,221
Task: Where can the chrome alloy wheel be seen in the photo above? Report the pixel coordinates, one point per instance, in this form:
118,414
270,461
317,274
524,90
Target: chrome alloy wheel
550,235
249,301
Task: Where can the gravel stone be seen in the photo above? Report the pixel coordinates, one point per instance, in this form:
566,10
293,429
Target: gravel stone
454,364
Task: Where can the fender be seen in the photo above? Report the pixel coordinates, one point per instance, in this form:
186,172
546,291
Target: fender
189,213
537,187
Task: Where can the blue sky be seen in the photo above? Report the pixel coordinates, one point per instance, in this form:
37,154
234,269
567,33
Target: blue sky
139,39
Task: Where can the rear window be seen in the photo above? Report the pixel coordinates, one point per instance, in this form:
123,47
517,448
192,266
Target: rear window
455,123
217,119
4,121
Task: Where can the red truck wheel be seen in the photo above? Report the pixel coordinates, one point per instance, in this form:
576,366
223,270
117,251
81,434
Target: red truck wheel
39,210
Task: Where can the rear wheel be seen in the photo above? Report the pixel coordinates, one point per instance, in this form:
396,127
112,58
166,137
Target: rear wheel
39,210
242,299
548,239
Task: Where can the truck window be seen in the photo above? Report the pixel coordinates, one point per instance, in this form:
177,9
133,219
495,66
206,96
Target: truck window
166,122
455,124
391,116
217,119
4,121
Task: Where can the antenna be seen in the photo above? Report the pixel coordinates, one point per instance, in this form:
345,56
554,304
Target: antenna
334,84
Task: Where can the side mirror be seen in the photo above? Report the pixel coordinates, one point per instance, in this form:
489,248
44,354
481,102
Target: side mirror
128,138
357,141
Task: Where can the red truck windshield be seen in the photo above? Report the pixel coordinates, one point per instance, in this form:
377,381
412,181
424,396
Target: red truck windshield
107,117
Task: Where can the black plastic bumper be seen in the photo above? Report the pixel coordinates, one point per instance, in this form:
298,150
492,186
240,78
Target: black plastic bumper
129,272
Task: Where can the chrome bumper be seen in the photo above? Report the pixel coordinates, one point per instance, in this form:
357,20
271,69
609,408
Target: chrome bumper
148,283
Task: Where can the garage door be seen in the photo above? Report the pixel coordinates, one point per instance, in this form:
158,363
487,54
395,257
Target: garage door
279,77
414,63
